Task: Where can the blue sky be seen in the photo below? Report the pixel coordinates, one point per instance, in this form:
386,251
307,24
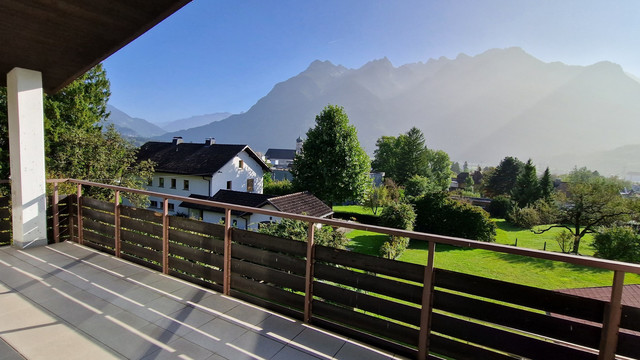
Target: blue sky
224,55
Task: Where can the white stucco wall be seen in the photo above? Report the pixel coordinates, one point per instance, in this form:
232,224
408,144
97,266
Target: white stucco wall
197,185
231,171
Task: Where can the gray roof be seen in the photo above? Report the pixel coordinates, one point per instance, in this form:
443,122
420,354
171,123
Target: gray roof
297,203
280,154
192,159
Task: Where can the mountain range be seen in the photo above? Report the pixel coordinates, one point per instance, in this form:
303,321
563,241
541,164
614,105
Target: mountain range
503,102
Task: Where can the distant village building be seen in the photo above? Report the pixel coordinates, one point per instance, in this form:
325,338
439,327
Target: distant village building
202,169
283,158
219,172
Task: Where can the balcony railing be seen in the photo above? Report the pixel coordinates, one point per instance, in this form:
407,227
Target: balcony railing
414,310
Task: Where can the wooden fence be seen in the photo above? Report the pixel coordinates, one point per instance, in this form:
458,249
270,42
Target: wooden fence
414,310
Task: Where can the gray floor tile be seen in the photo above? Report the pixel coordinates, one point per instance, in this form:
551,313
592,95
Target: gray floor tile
185,320
214,332
289,353
182,347
247,314
249,346
323,344
281,327
351,351
9,353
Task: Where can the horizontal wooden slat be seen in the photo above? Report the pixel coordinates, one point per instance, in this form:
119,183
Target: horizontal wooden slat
541,324
97,204
197,241
629,345
267,292
364,281
4,201
5,213
99,247
197,226
142,226
141,252
141,214
141,262
366,323
98,238
547,300
373,304
630,318
506,341
144,240
370,339
98,216
269,242
5,225
98,227
195,255
196,270
287,311
462,351
374,264
194,280
268,275
5,238
268,258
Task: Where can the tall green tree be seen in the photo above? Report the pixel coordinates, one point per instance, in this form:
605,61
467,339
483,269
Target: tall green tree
407,155
546,185
589,202
333,166
455,168
503,179
527,189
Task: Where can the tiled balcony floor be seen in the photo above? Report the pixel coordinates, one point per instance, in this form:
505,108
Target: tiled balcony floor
66,301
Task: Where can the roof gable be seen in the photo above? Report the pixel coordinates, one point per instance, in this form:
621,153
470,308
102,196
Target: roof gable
192,159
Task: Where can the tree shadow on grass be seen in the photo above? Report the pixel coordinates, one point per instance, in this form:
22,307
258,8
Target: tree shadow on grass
367,244
547,264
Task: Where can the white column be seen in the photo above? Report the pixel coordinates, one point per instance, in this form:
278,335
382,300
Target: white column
26,152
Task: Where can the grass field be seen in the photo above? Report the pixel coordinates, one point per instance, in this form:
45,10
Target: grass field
356,209
512,268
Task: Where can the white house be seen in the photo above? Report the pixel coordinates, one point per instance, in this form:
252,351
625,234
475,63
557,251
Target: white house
297,203
201,169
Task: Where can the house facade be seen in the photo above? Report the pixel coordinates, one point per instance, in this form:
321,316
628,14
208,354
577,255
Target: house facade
201,169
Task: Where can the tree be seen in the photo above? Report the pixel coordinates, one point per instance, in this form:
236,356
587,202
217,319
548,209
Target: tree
527,189
405,156
503,179
465,167
620,243
332,164
377,196
546,185
455,168
589,202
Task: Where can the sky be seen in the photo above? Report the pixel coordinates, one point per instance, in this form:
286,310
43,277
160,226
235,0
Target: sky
224,55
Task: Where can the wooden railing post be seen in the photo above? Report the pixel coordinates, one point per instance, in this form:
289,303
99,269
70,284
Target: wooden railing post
308,285
116,223
79,211
611,323
226,269
56,216
427,301
165,236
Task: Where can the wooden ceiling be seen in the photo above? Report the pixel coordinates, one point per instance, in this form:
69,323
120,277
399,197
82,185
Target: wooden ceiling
65,38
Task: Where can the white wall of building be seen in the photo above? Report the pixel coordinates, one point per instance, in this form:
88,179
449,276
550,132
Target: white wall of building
238,176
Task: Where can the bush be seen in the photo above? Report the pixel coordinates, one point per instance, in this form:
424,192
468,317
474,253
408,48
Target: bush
500,206
565,240
278,188
438,214
297,230
617,243
399,216
525,218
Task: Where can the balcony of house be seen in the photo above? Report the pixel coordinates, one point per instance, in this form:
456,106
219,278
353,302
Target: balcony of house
117,281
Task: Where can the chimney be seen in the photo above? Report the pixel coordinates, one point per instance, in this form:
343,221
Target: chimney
209,141
177,140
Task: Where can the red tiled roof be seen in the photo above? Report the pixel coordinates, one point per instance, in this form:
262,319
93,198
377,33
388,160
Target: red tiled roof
630,294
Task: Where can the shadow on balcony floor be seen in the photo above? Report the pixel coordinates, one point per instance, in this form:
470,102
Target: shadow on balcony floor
66,301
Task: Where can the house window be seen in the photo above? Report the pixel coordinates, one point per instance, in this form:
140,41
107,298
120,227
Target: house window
229,185
173,183
153,204
241,164
171,207
249,185
161,182
185,184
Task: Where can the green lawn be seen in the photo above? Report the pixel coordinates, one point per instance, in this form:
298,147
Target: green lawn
512,268
507,234
356,209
